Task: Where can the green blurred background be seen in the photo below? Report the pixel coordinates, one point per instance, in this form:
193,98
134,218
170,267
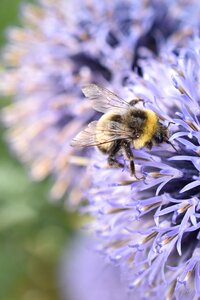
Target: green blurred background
33,232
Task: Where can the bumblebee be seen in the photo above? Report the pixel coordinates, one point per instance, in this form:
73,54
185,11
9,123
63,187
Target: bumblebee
121,127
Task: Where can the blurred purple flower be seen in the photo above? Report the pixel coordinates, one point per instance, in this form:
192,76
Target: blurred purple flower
84,275
151,227
61,46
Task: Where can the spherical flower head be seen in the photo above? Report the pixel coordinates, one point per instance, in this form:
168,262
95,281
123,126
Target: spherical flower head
150,227
60,47
46,61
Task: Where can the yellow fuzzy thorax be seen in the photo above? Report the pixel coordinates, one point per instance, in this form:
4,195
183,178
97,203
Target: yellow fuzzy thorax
103,137
149,130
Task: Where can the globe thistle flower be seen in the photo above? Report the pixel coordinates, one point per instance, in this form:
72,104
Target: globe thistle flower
54,53
187,13
150,227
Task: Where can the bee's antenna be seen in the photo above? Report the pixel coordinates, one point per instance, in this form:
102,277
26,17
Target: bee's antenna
169,123
168,142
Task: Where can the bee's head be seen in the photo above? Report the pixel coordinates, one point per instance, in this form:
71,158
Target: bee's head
161,135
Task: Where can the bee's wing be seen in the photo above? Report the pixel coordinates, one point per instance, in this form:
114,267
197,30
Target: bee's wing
104,100
94,135
86,137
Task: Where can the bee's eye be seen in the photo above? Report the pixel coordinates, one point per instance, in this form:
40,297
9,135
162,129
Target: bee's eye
159,138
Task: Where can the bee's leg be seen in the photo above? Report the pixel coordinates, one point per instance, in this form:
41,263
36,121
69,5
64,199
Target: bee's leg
149,145
112,161
135,101
129,155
